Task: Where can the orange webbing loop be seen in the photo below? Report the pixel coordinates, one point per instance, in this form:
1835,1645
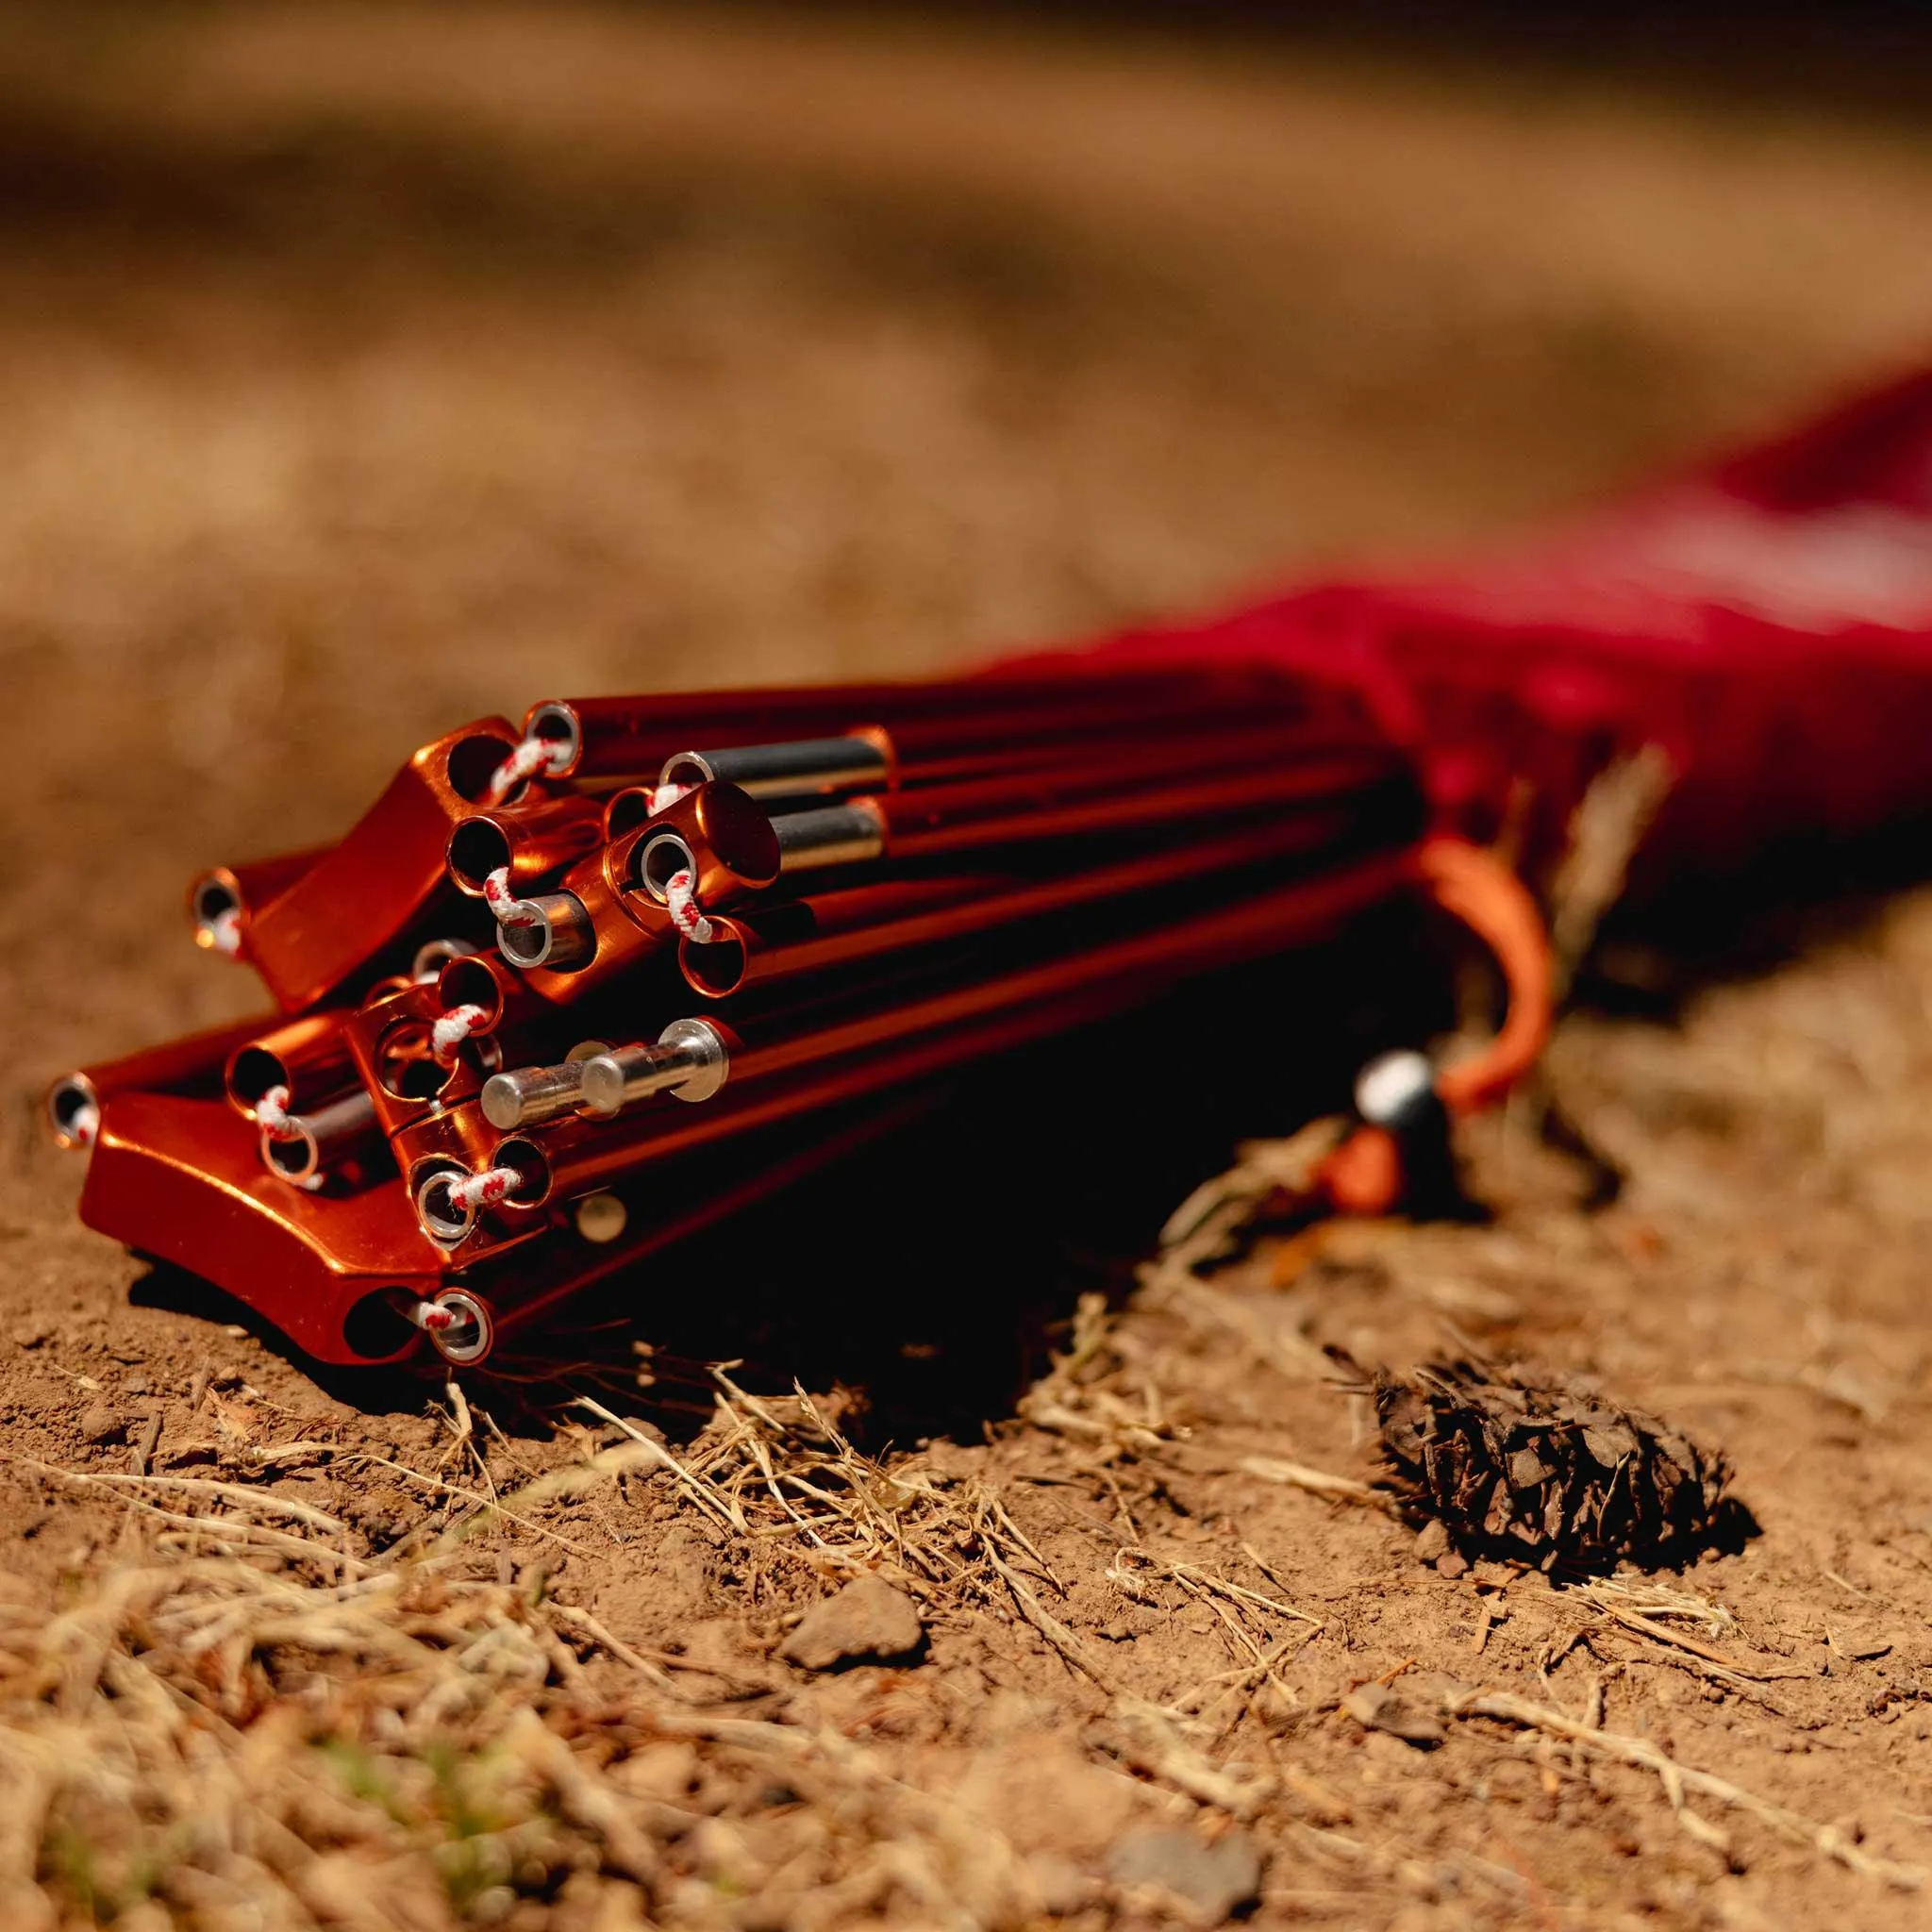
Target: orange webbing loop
1364,1175
1472,885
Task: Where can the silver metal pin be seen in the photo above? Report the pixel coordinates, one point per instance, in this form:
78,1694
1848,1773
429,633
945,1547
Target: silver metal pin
690,1060
828,835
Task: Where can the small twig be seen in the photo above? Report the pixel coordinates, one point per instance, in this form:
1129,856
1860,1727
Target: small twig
1206,1580
266,1500
465,1428
290,1455
1679,1779
605,1641
485,1506
1063,1641
1605,831
1240,1684
1678,1640
226,1532
1846,1583
1151,1743
1318,1482
708,1498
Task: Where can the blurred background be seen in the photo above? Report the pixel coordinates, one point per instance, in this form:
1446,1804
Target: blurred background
365,368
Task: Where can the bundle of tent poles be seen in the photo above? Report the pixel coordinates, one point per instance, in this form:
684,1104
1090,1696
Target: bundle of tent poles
551,964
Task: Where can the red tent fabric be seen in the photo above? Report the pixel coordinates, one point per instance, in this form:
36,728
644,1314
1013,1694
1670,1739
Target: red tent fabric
1766,620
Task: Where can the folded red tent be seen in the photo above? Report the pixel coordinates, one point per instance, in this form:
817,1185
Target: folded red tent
1765,620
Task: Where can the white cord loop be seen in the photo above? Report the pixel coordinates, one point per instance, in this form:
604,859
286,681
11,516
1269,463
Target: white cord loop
527,761
471,1193
503,903
224,931
665,796
452,1029
680,897
273,1117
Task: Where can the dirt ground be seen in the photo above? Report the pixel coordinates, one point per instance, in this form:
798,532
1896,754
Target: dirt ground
363,371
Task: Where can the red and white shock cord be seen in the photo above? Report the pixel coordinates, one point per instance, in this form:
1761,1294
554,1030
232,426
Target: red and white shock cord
471,1193
83,1125
681,897
433,1317
451,1028
273,1117
225,932
533,758
680,889
503,901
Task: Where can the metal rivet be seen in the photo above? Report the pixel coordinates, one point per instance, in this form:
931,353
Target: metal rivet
601,1218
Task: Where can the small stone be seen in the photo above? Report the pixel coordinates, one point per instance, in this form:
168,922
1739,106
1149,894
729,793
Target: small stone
867,1619
1451,1565
136,1385
664,1771
1861,1643
1376,1707
1217,1881
101,1423
1432,1541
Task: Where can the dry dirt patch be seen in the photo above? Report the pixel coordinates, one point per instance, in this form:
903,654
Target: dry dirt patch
344,399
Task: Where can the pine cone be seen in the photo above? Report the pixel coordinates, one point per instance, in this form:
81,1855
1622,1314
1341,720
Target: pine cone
1546,1474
